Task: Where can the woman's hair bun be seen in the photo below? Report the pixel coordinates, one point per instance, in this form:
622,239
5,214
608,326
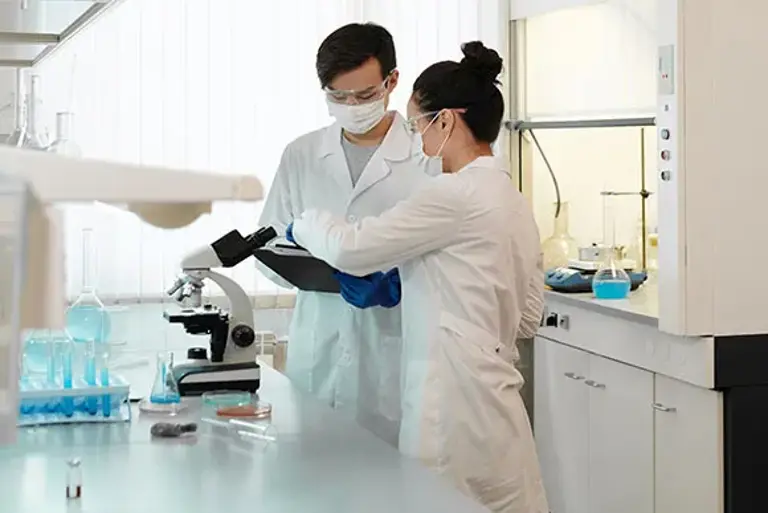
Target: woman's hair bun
482,61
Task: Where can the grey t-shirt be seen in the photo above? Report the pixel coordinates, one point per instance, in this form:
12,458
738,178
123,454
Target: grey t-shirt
357,158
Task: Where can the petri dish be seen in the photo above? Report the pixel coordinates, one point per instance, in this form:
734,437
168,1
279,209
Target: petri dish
226,399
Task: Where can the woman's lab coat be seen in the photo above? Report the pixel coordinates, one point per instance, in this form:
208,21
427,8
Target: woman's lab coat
467,246
349,358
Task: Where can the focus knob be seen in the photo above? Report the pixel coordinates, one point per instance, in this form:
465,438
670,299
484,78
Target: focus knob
242,335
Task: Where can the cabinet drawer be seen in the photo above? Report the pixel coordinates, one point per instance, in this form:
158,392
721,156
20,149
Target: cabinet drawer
689,359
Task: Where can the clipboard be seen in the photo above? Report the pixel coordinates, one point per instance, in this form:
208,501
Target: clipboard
298,267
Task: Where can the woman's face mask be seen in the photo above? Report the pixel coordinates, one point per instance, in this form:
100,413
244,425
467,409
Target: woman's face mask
418,135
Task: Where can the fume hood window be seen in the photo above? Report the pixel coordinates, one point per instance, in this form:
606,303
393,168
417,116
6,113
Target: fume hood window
593,61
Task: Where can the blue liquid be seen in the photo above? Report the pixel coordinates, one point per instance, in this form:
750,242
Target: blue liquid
88,322
611,289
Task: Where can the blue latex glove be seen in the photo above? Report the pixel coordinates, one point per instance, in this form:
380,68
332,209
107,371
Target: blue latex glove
377,289
289,233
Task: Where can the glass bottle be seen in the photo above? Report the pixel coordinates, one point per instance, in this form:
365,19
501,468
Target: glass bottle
74,480
87,318
611,281
64,143
560,247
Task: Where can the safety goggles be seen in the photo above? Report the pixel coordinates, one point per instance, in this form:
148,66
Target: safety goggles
369,94
412,124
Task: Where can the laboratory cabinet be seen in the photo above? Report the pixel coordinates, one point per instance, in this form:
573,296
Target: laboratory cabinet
613,437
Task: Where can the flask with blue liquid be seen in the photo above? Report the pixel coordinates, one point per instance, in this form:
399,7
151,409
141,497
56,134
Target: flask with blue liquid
611,281
87,318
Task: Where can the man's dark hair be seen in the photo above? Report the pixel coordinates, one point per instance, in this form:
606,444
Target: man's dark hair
350,46
470,85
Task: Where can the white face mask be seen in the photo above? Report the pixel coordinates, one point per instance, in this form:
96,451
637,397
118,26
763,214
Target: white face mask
358,119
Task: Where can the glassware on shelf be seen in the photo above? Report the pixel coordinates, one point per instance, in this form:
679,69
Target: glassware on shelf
611,281
19,136
64,143
87,318
164,397
560,247
37,139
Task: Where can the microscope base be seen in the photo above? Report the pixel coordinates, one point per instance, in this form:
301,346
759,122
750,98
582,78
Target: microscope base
196,378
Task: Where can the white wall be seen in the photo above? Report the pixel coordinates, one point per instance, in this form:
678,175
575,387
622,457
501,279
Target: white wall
593,61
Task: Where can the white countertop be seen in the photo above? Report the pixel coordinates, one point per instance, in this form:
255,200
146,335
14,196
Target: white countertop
642,305
321,462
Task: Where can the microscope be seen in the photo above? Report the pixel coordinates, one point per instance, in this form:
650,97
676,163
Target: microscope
231,364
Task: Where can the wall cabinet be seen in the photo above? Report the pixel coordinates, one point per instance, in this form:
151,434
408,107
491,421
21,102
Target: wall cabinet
612,437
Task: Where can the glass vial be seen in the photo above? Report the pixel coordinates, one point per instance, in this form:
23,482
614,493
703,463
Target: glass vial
87,318
64,143
560,247
74,480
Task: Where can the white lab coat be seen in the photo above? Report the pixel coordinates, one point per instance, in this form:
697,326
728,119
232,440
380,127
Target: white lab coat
348,357
467,246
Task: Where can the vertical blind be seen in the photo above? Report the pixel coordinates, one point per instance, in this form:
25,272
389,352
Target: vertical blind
219,85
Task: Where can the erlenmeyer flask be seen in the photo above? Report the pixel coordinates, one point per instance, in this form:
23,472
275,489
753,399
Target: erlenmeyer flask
87,318
165,396
165,390
611,280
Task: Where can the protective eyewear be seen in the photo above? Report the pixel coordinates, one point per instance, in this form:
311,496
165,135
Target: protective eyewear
366,95
412,124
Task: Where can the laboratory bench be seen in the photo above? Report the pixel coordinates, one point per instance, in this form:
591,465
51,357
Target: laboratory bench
319,461
629,418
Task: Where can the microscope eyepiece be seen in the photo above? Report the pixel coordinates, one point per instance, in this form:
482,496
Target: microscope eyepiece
261,237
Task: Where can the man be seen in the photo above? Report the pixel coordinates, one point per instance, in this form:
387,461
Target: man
349,354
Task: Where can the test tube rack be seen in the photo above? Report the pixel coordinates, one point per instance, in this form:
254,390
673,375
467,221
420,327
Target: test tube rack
41,404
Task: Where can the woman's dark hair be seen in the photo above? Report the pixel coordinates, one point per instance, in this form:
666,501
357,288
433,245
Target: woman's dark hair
471,84
349,47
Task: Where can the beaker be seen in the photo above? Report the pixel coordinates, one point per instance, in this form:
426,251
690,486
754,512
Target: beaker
164,396
64,143
611,281
87,318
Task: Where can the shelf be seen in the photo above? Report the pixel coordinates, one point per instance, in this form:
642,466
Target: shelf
30,30
57,178
517,125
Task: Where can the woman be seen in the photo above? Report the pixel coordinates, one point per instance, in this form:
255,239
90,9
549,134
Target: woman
467,247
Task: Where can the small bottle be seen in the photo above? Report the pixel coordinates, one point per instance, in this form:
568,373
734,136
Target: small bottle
74,480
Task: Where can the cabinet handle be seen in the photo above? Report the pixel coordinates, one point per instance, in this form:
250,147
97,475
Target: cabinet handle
573,375
594,384
661,407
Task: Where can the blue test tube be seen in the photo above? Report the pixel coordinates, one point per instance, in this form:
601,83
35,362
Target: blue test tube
89,376
67,403
106,399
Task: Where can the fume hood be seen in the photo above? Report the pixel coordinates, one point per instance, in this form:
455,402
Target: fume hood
30,30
